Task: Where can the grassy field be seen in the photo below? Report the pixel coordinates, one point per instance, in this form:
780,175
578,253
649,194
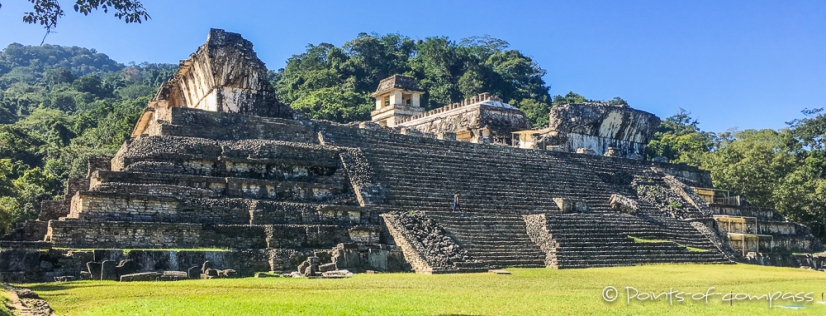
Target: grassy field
525,292
4,300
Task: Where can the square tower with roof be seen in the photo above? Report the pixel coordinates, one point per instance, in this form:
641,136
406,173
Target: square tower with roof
397,98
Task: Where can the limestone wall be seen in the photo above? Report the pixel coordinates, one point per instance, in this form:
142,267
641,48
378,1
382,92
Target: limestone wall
763,214
82,234
538,231
223,75
485,120
597,126
142,208
226,126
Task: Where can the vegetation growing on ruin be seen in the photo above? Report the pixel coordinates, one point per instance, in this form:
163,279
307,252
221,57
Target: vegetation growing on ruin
525,292
61,105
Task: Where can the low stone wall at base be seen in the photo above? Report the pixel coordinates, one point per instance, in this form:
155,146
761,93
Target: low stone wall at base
82,234
23,265
88,234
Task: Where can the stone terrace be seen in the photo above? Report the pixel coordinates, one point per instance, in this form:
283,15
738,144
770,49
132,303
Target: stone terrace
271,191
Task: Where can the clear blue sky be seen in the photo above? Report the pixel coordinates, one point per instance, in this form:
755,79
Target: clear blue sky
749,64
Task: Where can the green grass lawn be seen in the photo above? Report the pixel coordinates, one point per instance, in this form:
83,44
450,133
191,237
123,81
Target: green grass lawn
525,292
4,300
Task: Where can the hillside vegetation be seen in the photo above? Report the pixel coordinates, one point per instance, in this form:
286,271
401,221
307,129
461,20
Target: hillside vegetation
58,107
61,105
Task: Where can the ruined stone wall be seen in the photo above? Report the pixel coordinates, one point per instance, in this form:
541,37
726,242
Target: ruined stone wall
125,235
223,75
53,209
249,158
498,122
538,232
597,126
763,214
123,207
331,189
471,117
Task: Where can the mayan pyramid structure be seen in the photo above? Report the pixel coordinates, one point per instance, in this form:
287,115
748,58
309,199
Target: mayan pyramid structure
219,170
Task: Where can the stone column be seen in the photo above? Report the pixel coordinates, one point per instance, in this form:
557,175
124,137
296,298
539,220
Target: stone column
396,98
379,102
415,100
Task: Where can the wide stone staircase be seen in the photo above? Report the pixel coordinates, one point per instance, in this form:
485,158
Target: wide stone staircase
603,240
425,175
497,239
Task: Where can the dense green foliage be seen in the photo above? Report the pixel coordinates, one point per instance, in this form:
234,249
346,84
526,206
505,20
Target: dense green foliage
784,169
524,292
58,107
334,83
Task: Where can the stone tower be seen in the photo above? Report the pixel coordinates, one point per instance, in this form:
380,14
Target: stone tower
397,98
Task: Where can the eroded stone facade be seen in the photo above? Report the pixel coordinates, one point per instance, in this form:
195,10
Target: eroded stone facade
596,128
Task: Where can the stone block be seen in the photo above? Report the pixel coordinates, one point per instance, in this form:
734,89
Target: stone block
327,267
369,126
85,275
65,278
108,270
446,136
377,259
173,276
94,269
206,266
309,271
229,273
179,274
410,131
587,151
143,276
303,266
347,258
126,267
623,204
193,272
612,152
267,275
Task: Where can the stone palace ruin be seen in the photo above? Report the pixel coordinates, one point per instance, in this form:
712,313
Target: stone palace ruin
219,170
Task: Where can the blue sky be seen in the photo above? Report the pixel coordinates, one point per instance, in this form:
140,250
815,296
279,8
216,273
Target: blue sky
745,64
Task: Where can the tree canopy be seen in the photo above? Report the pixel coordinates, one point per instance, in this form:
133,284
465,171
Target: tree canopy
58,107
334,83
781,169
48,12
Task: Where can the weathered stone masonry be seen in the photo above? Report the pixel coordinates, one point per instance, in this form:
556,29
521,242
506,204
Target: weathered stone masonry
262,188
